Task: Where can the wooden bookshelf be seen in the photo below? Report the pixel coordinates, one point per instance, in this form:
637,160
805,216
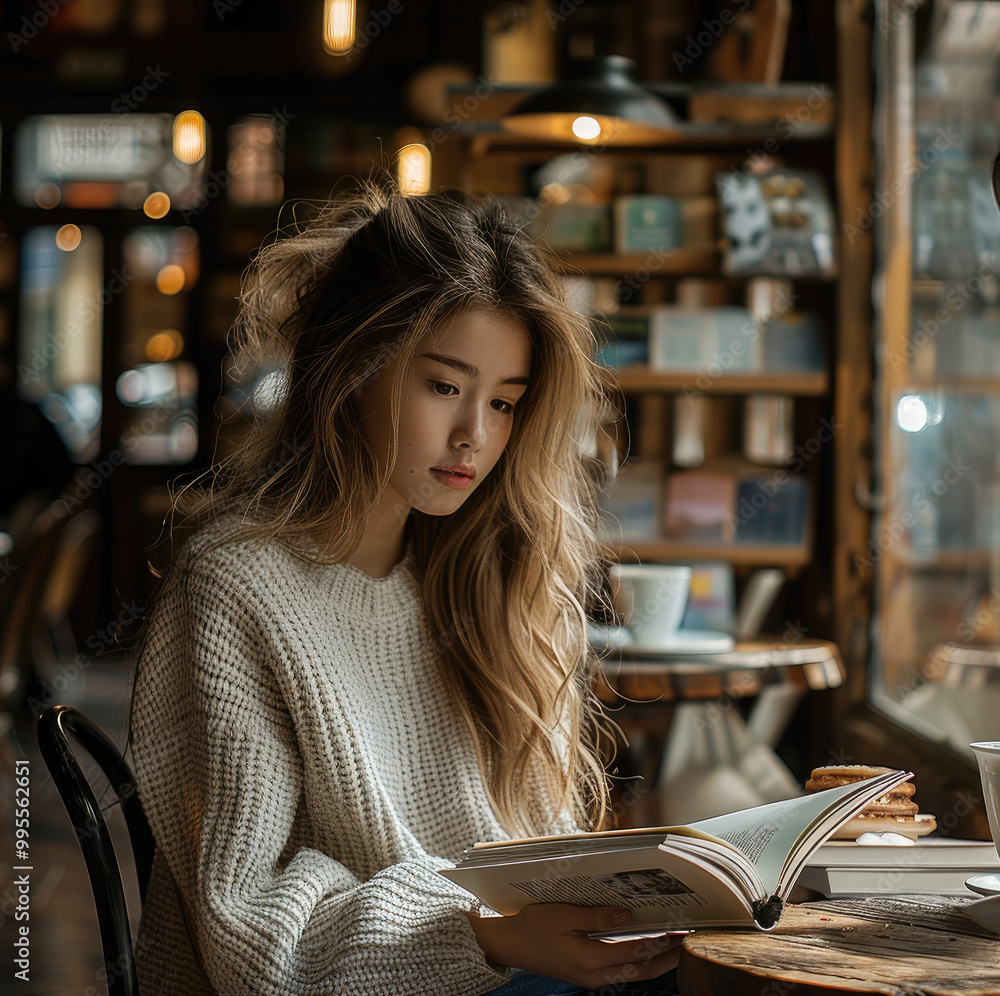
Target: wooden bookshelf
641,380
789,556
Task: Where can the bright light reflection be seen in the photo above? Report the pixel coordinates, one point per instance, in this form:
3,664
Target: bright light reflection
911,413
586,128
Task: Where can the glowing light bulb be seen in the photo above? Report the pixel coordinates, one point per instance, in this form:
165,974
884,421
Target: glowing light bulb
586,128
339,17
190,137
414,169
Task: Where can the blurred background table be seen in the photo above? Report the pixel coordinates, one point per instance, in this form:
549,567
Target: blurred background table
688,738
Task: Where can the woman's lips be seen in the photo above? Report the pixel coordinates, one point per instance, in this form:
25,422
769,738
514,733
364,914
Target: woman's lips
454,477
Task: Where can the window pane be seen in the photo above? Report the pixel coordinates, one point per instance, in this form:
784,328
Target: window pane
61,323
110,160
157,386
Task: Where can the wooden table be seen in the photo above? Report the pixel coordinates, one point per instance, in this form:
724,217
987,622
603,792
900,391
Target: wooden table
680,714
747,669
903,946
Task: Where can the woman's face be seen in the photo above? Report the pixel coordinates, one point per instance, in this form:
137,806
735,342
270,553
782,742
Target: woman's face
456,412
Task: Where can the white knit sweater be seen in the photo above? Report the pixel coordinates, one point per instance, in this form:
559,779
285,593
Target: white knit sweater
305,777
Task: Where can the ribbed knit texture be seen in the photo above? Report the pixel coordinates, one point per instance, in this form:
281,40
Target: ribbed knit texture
305,777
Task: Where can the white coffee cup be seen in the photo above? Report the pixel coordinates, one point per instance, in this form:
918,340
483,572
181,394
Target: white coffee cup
650,600
988,756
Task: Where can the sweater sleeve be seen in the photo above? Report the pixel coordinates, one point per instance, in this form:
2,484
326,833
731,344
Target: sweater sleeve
221,778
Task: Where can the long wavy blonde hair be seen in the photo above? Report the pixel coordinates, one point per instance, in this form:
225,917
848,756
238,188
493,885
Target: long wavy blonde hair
506,578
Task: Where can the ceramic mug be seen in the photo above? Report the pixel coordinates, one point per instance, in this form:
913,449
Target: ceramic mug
650,600
988,756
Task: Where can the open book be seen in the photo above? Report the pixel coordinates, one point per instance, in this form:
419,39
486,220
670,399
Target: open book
732,870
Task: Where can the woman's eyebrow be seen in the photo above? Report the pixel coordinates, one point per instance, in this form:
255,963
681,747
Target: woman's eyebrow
467,368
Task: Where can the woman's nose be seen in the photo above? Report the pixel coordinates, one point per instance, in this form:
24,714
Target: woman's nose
470,433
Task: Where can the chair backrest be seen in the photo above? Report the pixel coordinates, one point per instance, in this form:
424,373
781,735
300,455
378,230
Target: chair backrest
56,726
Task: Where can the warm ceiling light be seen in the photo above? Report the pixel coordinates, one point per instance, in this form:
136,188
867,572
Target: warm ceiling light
170,279
414,169
190,137
601,98
68,237
156,205
339,17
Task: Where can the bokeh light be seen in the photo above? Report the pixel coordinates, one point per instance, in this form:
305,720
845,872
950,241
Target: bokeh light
190,139
156,205
170,279
48,196
165,345
68,237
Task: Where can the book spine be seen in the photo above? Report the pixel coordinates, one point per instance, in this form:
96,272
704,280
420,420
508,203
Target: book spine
767,912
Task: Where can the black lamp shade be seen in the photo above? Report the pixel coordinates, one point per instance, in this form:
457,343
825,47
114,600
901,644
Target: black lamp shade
602,89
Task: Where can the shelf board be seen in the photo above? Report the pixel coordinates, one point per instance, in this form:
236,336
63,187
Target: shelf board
701,259
694,259
960,383
949,559
641,380
789,556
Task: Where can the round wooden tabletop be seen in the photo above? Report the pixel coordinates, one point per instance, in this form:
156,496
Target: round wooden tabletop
742,671
897,946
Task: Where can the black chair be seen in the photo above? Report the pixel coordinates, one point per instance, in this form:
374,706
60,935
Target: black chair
104,865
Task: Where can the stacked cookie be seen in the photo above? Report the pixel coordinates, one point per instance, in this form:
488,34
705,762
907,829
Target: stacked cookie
894,812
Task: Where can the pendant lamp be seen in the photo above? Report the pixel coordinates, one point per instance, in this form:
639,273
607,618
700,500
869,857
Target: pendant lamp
600,103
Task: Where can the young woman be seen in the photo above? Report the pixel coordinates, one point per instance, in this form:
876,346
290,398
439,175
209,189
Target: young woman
372,651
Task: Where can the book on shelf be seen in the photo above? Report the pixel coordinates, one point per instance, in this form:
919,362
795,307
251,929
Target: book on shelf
931,865
735,870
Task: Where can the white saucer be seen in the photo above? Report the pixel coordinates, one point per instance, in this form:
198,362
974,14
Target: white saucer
985,883
684,641
687,641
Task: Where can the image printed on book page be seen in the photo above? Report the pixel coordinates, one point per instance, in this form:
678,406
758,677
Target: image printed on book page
634,889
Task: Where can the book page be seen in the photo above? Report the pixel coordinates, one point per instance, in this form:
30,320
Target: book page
662,889
777,837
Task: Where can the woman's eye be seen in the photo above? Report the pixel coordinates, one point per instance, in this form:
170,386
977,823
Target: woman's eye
503,406
445,390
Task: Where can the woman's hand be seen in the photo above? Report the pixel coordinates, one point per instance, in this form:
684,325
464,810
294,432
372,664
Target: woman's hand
551,939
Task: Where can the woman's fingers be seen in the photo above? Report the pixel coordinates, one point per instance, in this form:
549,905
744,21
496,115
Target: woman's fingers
552,939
